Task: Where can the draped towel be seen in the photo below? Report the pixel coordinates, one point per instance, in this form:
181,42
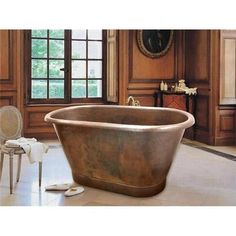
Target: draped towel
33,149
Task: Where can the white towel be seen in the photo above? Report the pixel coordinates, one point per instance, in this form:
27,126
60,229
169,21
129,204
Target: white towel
33,149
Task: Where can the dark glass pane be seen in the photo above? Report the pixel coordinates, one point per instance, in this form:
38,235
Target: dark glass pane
39,68
39,89
78,49
39,33
39,48
78,34
56,48
94,88
78,88
56,33
95,50
95,34
78,69
54,68
56,88
94,69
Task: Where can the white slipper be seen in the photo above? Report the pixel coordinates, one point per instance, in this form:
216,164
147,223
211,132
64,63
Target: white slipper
73,191
58,187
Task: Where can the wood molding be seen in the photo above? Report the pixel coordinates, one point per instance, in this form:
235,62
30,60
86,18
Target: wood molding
227,123
7,99
6,56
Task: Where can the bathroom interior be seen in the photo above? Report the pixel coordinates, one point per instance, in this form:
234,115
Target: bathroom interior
202,174
45,70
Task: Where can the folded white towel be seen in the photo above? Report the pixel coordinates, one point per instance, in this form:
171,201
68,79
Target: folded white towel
19,141
33,149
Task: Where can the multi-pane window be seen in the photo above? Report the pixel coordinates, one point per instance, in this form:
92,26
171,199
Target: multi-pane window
86,63
65,65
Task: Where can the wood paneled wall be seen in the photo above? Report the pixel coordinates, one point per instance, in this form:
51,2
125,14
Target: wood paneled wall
140,75
195,55
205,60
197,74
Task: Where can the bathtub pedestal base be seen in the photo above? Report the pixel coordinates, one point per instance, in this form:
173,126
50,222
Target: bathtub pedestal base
121,188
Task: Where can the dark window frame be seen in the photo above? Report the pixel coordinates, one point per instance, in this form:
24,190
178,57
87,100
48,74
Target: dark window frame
67,72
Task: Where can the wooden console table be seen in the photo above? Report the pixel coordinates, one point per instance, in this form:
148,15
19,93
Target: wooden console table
159,100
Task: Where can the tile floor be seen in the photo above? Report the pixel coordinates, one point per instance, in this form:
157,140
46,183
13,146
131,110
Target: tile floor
196,178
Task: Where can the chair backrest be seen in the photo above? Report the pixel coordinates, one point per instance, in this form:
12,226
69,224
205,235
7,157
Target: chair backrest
10,123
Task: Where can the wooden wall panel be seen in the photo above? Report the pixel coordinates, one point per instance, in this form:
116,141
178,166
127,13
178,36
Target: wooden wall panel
197,55
227,123
8,65
225,126
36,119
34,124
5,55
146,69
7,99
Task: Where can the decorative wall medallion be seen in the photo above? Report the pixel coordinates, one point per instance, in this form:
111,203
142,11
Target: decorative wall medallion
154,43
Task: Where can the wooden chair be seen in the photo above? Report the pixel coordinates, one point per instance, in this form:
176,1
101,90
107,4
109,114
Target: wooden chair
10,128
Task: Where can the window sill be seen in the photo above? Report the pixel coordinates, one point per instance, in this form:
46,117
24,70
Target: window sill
63,104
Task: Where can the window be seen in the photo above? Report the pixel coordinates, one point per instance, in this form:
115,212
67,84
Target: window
65,66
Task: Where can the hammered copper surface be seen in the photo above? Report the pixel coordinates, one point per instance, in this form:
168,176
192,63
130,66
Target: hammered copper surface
122,149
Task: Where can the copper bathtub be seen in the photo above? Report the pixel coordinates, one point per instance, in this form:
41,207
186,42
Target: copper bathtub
121,149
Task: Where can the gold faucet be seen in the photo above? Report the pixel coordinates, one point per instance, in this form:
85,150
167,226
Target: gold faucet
132,102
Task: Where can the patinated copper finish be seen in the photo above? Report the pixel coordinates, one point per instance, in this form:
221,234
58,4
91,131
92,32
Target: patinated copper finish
122,149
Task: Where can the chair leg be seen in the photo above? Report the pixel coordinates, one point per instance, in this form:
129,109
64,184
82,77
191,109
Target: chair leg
1,165
11,172
19,168
40,173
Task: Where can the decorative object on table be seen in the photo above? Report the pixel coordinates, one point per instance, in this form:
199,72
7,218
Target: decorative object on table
165,87
154,43
162,85
181,87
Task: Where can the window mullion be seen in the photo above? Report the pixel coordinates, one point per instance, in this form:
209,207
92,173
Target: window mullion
67,64
86,63
47,64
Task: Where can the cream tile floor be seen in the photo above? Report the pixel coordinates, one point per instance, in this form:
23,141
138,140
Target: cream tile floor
196,178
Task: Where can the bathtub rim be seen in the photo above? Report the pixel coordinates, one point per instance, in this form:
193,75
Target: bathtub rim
105,125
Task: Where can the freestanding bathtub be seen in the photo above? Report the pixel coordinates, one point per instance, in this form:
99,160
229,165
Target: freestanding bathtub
122,149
